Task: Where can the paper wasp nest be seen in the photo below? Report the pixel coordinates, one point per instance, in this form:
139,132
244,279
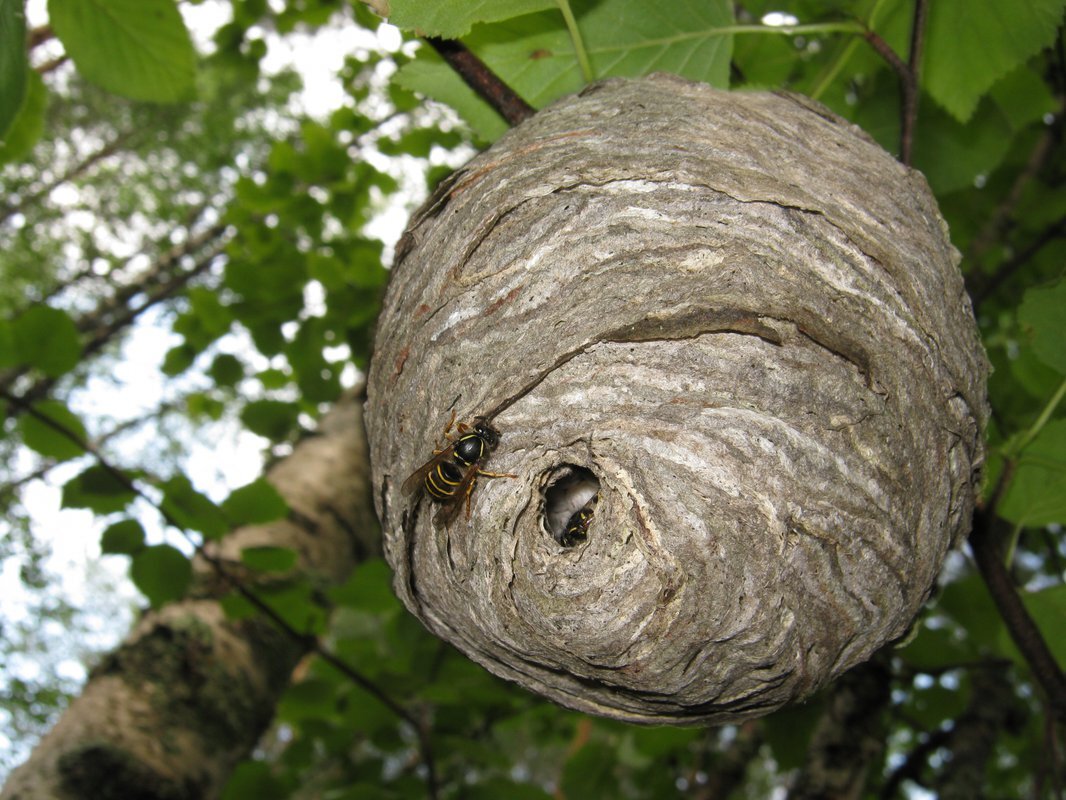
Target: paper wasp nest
735,320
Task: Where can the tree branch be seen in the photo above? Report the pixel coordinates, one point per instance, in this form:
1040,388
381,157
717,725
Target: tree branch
911,92
915,762
997,222
8,490
1020,624
983,287
482,80
104,323
38,36
908,77
991,712
108,149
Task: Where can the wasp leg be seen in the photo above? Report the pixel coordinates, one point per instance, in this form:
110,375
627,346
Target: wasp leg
451,422
444,434
484,474
470,493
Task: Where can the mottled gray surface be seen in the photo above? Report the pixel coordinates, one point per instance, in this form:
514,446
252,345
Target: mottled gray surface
745,318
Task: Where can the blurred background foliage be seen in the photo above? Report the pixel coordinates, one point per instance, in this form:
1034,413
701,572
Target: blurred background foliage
194,249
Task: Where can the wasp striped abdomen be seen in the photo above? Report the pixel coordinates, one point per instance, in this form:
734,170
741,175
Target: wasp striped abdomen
443,480
577,527
450,476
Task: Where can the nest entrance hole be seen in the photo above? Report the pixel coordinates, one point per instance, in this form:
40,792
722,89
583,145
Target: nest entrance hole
570,499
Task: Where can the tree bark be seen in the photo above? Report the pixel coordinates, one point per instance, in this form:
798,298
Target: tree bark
742,321
189,692
849,739
992,712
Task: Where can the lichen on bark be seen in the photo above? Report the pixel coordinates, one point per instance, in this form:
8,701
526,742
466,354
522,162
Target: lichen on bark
745,320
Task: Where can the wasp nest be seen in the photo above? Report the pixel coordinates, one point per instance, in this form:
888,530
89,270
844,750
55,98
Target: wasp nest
727,350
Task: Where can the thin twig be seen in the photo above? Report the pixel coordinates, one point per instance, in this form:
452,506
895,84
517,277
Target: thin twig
914,763
8,490
908,76
908,93
911,93
76,170
982,287
1000,217
38,36
482,80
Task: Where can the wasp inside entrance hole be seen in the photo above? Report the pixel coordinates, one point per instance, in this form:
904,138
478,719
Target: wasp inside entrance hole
569,503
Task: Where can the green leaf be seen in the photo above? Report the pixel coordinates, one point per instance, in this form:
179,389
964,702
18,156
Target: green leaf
1029,371
46,338
97,490
935,647
126,536
495,788
1048,609
1023,97
161,572
953,155
136,48
368,589
933,706
9,354
626,38
1043,320
13,67
48,440
191,510
296,605
272,378
451,19
269,559
661,741
535,55
178,359
28,126
253,779
236,606
311,698
789,730
968,603
273,419
203,405
589,772
970,44
1037,492
226,370
256,503
206,320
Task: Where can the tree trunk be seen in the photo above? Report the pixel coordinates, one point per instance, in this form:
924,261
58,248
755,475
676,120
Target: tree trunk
189,692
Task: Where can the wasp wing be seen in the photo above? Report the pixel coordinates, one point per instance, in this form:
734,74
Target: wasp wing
450,509
417,479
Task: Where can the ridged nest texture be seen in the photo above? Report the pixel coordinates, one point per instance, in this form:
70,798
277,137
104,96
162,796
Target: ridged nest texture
741,323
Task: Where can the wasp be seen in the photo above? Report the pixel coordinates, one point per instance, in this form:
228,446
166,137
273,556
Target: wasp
450,476
577,527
